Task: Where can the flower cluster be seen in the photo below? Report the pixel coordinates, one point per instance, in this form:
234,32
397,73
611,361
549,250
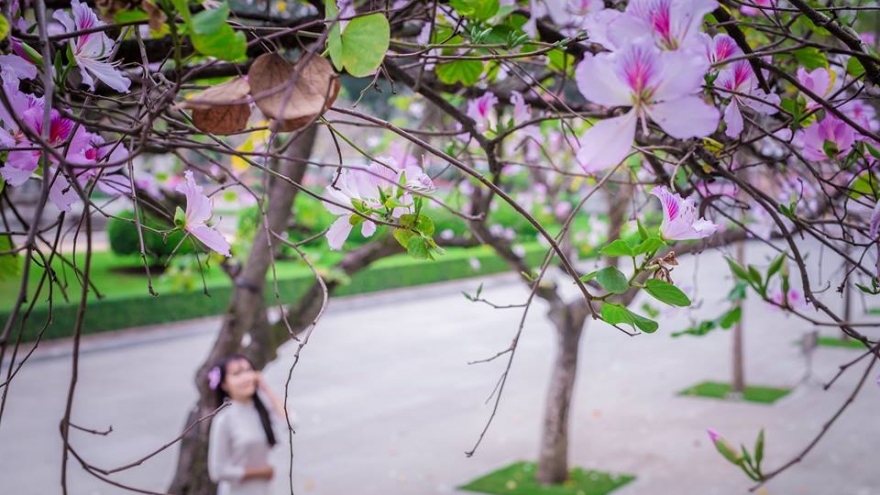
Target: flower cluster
382,191
655,66
73,153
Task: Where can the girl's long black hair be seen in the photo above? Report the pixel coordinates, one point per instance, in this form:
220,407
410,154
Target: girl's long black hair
262,412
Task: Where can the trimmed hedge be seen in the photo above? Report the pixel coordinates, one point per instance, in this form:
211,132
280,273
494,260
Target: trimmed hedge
133,311
125,240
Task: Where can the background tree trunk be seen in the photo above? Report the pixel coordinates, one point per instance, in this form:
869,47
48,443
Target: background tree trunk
569,322
553,455
246,315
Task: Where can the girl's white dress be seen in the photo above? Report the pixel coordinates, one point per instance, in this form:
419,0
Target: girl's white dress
238,442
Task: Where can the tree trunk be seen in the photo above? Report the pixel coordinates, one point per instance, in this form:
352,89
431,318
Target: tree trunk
553,456
246,315
569,322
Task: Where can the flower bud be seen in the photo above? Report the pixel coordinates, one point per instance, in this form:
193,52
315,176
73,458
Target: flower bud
724,448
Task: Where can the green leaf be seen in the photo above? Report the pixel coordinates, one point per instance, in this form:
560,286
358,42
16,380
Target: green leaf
612,280
796,108
811,58
209,21
560,61
225,44
617,248
4,28
124,16
364,43
334,37
479,10
182,8
615,314
759,450
854,67
643,232
870,290
738,292
652,312
667,293
730,318
10,264
466,72
745,454
210,33
589,276
179,218
403,236
697,331
740,272
425,225
422,224
803,21
872,150
775,266
418,248
830,148
864,185
755,274
649,245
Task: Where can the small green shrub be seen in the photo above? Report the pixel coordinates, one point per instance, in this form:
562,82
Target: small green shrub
124,241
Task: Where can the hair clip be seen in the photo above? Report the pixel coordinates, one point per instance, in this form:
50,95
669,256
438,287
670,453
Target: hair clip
214,378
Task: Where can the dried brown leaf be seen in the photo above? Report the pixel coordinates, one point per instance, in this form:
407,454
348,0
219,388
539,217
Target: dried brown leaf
222,109
157,17
293,95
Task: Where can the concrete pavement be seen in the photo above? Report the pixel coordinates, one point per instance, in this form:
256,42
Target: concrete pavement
387,403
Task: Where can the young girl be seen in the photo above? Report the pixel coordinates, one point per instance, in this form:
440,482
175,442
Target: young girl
241,433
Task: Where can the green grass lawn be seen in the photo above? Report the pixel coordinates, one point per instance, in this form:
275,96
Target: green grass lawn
115,276
519,479
124,276
126,302
717,390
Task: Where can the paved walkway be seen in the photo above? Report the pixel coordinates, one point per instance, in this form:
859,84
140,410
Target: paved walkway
387,403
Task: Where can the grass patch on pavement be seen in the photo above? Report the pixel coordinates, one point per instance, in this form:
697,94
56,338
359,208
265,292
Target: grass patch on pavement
519,479
838,342
753,393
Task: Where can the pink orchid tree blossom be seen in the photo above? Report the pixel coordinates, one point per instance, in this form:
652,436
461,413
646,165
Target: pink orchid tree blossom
521,111
820,81
671,24
361,189
720,48
14,68
480,110
357,189
102,163
862,113
200,209
874,228
793,299
680,220
738,82
24,156
91,51
567,14
757,7
660,86
830,138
